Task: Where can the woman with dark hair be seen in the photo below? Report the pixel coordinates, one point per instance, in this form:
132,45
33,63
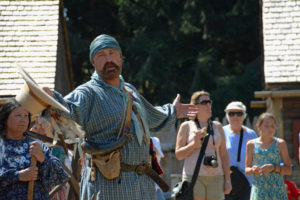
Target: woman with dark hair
15,157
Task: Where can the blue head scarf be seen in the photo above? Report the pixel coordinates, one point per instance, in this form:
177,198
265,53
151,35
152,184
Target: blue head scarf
103,42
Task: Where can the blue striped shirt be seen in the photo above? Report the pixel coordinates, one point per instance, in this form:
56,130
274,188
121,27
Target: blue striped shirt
98,108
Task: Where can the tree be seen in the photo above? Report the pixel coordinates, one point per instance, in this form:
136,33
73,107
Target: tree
175,46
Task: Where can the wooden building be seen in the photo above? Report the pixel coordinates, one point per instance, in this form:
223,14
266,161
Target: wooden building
33,34
281,49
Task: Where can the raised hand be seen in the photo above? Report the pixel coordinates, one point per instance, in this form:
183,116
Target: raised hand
184,110
198,137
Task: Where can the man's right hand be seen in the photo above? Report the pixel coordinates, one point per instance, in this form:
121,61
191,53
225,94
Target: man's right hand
28,174
48,91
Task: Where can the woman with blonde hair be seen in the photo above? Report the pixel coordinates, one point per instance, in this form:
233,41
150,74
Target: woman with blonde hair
214,175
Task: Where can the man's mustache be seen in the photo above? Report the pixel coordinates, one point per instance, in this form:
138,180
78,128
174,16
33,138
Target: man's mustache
109,64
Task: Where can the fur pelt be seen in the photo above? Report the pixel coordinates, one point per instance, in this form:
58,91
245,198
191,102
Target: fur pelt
62,125
67,127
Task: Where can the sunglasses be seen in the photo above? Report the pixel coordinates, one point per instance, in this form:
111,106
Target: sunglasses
204,102
239,114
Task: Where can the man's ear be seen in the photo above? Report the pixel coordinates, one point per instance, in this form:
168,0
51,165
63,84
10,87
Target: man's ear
257,126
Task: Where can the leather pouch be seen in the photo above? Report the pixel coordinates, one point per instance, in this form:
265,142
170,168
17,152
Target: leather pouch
109,165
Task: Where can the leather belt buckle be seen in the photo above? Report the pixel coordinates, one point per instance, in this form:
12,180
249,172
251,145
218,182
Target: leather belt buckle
140,169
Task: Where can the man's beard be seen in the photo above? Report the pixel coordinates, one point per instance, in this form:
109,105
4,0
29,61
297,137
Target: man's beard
110,71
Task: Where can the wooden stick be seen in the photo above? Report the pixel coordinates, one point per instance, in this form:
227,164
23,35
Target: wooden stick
61,137
31,183
57,188
47,139
73,182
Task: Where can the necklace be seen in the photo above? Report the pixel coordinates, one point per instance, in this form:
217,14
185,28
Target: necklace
265,146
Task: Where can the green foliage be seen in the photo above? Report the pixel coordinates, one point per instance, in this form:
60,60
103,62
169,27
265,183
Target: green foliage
175,47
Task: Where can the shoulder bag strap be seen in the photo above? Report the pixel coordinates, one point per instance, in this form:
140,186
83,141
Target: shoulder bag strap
127,124
201,154
240,146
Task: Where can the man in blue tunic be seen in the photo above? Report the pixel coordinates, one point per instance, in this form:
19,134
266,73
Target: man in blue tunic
100,107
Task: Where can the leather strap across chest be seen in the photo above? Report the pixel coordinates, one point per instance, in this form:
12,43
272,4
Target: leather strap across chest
125,127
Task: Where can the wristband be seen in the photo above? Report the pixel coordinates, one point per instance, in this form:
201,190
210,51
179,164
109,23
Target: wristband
276,168
227,181
251,170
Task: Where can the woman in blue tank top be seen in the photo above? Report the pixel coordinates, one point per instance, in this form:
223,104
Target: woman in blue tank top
263,157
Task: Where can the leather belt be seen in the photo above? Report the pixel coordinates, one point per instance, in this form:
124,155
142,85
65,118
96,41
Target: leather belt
146,169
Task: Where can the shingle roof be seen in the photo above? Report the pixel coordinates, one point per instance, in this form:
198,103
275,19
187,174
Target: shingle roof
281,28
28,36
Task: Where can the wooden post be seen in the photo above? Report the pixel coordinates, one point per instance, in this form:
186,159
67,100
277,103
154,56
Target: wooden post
31,183
275,107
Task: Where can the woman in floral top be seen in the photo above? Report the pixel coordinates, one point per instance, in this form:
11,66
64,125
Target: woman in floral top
16,151
263,157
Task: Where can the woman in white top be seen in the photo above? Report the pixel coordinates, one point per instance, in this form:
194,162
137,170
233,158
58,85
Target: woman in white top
213,180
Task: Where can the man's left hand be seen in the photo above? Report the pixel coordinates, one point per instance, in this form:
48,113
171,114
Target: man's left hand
184,110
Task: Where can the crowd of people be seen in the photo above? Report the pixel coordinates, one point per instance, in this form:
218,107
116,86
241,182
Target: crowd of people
118,122
261,158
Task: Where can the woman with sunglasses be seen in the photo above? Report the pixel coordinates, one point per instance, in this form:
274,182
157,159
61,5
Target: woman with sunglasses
235,115
214,176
